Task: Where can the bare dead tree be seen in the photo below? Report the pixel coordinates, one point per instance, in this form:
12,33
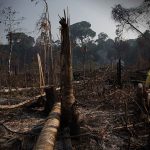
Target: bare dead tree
69,117
9,20
129,18
50,50
46,36
11,23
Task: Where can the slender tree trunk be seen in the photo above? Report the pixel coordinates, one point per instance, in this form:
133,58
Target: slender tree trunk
119,80
9,61
45,53
84,55
10,53
50,71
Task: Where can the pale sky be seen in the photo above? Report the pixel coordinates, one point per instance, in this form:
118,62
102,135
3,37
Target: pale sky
97,12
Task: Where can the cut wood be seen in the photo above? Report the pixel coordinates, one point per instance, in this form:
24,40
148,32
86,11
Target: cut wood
22,104
48,134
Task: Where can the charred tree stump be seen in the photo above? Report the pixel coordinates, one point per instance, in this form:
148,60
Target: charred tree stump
69,117
50,99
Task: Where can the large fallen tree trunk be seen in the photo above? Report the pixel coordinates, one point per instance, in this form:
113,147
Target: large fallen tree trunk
22,104
48,134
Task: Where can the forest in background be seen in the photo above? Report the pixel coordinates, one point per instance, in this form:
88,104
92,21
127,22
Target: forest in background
100,50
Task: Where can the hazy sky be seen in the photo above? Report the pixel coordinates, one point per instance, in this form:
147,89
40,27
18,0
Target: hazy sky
97,12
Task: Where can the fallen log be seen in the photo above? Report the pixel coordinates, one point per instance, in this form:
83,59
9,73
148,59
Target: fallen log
21,89
129,126
22,104
48,134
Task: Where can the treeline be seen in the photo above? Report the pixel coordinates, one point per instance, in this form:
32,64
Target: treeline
103,50
86,49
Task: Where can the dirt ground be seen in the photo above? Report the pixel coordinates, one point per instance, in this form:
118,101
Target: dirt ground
109,119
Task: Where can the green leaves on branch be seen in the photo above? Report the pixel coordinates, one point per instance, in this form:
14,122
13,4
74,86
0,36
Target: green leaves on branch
81,32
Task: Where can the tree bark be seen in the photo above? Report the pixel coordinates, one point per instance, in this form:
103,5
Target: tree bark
47,138
69,117
50,99
119,69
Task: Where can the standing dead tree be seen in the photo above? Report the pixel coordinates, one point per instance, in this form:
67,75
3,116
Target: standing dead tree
69,115
129,18
9,20
46,37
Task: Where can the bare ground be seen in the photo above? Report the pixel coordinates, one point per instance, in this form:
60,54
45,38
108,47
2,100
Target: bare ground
108,117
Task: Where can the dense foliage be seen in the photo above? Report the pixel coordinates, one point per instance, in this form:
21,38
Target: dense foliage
100,50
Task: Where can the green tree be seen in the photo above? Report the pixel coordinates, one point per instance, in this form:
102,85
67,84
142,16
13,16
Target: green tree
21,38
23,47
81,32
102,37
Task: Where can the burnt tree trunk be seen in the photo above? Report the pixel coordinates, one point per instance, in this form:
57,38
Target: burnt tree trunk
50,99
9,61
10,53
69,115
119,69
